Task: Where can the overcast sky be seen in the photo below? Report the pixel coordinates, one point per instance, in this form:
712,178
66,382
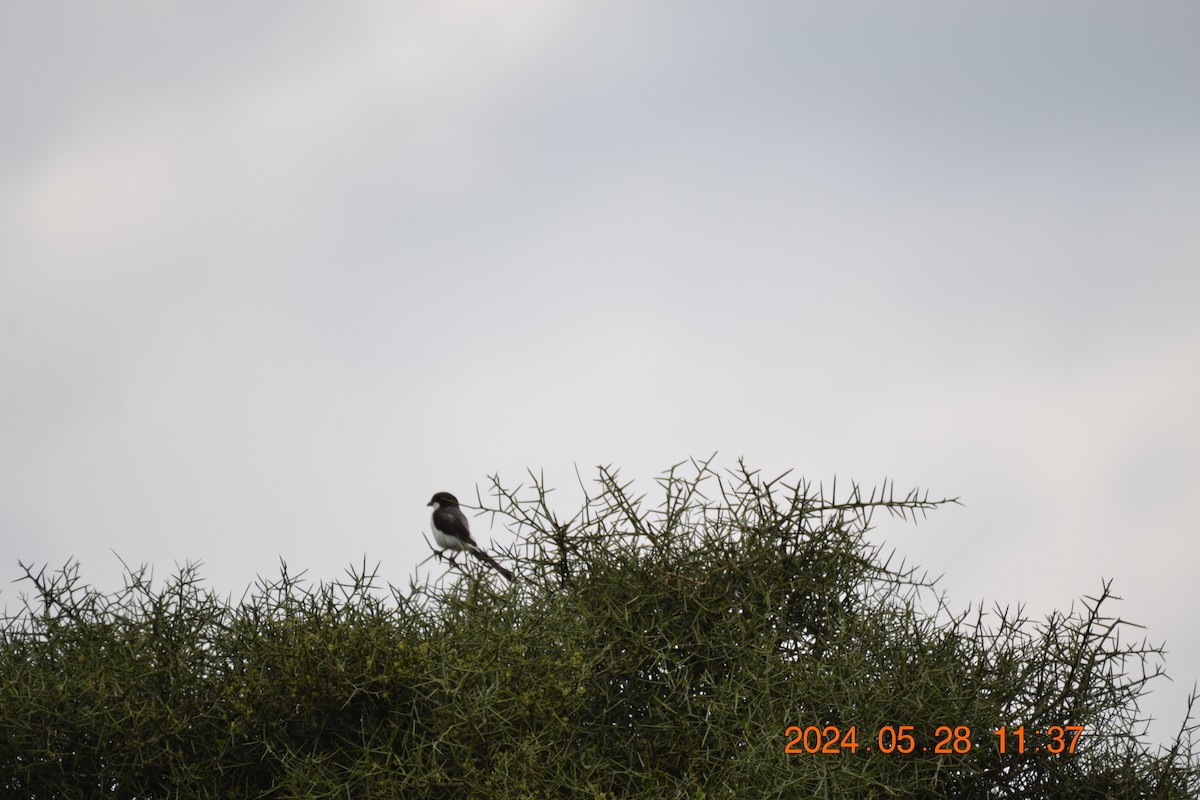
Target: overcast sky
272,274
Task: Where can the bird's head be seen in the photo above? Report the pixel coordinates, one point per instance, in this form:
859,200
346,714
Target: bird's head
444,499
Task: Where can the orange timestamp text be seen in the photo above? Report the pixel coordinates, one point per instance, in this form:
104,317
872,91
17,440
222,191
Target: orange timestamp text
947,739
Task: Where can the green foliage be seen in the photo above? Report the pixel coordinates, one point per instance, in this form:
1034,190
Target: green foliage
657,652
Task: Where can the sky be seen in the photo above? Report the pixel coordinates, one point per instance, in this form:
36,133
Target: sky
273,274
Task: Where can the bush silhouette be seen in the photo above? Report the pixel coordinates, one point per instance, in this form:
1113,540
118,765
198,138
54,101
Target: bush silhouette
641,652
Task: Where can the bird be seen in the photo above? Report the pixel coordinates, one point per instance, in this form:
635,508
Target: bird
452,531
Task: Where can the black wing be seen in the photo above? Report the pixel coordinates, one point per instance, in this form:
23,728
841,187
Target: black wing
453,522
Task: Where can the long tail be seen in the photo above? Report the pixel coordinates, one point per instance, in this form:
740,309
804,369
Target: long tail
485,558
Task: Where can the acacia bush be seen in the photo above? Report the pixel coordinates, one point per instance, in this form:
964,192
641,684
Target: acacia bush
642,651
